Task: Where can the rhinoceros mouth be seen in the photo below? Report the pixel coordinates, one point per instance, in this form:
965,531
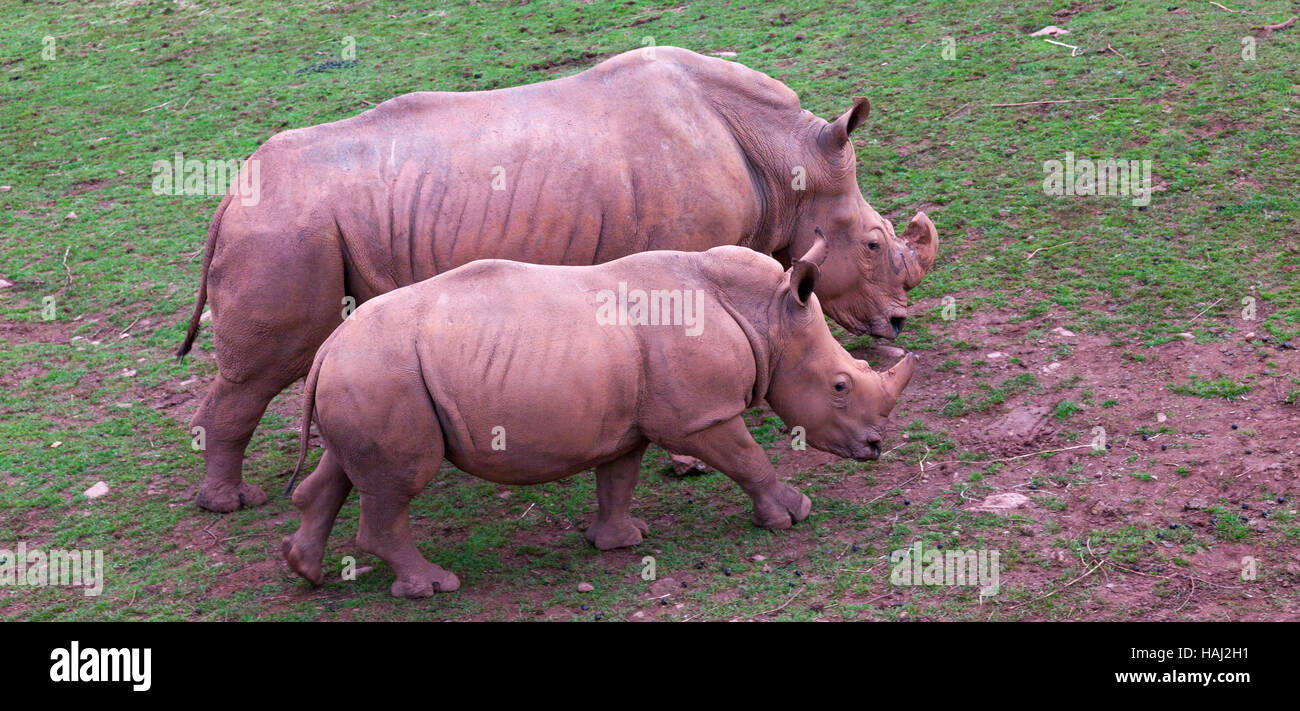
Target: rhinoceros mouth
869,451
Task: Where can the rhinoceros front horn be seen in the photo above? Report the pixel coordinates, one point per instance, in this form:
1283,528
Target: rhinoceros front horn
897,377
921,237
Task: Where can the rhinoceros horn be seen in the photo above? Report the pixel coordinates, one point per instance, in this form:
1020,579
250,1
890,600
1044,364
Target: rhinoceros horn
896,378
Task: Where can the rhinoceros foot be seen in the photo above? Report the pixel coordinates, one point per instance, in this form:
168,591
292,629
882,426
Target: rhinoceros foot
617,533
425,583
686,466
303,557
781,509
222,498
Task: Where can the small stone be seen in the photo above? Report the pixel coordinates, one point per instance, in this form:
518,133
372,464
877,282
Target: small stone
70,216
55,444
96,491
1234,426
1160,417
759,558
586,587
1196,505
5,283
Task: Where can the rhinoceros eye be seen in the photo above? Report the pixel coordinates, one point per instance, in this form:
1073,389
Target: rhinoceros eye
873,245
839,387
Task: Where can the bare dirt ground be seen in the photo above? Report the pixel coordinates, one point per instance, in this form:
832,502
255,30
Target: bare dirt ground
1171,460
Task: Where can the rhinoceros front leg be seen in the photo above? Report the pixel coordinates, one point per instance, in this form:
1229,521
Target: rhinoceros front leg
615,481
731,448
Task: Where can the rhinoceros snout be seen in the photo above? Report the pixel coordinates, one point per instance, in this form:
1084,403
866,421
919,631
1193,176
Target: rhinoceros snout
869,451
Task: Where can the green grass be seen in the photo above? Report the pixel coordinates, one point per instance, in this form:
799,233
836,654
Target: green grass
1224,388
988,395
132,83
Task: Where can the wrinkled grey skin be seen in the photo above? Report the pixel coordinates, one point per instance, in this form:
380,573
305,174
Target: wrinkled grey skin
678,152
437,370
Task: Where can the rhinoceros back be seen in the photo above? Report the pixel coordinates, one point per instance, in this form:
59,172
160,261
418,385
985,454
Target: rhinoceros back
628,156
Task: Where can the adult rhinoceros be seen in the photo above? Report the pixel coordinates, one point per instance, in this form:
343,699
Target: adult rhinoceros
651,149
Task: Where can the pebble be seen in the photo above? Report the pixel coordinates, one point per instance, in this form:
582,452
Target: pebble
96,491
586,587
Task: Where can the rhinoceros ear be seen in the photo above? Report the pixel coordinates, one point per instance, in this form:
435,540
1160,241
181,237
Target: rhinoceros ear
836,133
805,271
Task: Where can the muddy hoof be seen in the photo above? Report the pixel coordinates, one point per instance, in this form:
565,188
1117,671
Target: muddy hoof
617,534
250,495
425,585
224,499
303,563
688,466
782,510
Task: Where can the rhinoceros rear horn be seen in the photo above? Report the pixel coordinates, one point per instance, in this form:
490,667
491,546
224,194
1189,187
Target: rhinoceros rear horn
897,377
836,133
817,252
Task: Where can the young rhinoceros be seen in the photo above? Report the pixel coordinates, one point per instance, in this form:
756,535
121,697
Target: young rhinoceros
523,374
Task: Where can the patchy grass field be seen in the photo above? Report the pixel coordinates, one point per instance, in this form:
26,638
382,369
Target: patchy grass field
1171,326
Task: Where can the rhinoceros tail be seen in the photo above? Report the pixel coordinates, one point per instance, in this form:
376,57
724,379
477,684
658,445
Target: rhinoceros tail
308,407
209,247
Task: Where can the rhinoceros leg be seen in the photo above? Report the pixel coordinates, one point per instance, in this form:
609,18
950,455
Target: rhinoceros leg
731,448
615,481
319,497
271,310
228,417
386,531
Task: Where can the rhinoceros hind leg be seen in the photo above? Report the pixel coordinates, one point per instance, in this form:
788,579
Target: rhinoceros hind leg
319,497
228,417
731,448
615,481
386,532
